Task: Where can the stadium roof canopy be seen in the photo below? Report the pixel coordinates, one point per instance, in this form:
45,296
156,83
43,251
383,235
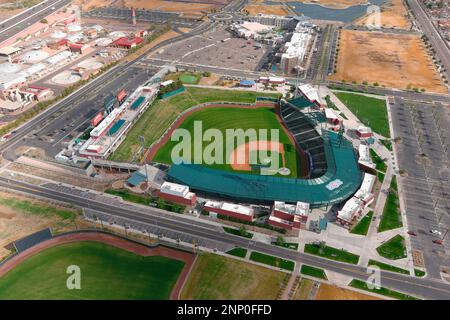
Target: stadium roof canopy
136,179
301,102
340,182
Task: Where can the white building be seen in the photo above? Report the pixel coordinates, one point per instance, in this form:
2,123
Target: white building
295,50
365,160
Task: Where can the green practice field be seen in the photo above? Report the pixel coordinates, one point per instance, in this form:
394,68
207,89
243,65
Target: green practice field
233,118
215,277
106,273
152,124
371,111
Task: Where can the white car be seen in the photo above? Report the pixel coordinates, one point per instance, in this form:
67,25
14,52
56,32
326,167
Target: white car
437,232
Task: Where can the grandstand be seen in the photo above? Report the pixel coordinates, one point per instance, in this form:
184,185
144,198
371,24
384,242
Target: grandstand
334,174
302,126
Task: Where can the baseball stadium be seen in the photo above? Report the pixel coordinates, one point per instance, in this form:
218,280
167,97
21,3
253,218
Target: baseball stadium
320,165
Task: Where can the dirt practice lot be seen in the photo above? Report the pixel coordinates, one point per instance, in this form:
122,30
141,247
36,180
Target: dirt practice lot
394,60
254,8
393,15
234,53
191,7
330,292
21,216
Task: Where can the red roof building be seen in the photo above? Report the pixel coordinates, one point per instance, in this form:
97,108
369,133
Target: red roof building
127,43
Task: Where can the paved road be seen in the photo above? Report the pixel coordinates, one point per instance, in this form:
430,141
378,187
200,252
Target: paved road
8,28
428,28
420,287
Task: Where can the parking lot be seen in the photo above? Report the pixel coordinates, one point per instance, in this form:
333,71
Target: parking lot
217,48
423,158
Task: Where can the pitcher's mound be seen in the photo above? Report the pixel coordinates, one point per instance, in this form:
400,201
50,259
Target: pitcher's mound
284,171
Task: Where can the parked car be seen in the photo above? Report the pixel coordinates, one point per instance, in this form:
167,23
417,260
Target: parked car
436,232
437,241
412,233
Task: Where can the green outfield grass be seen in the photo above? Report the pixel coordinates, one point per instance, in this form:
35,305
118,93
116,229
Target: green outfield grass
371,111
232,118
106,273
215,277
152,124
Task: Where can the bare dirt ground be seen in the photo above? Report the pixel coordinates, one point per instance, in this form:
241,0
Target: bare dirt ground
392,60
16,224
189,8
186,257
330,292
393,15
254,9
209,81
7,12
87,5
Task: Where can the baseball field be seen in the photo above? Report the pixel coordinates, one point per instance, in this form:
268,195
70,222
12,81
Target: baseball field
158,118
106,272
224,118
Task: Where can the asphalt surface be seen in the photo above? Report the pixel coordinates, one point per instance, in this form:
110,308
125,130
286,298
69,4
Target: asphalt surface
425,189
419,287
8,28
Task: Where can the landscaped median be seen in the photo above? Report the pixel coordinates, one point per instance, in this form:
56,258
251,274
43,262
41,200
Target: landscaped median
359,284
363,225
391,217
272,261
393,249
313,272
237,252
331,253
239,232
159,203
388,267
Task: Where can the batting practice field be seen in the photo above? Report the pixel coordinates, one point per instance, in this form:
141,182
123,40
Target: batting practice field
130,271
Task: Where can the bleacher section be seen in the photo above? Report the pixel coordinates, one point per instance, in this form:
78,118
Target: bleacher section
116,127
33,239
302,126
137,103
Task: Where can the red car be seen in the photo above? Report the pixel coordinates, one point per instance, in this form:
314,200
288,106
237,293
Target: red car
438,241
412,233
